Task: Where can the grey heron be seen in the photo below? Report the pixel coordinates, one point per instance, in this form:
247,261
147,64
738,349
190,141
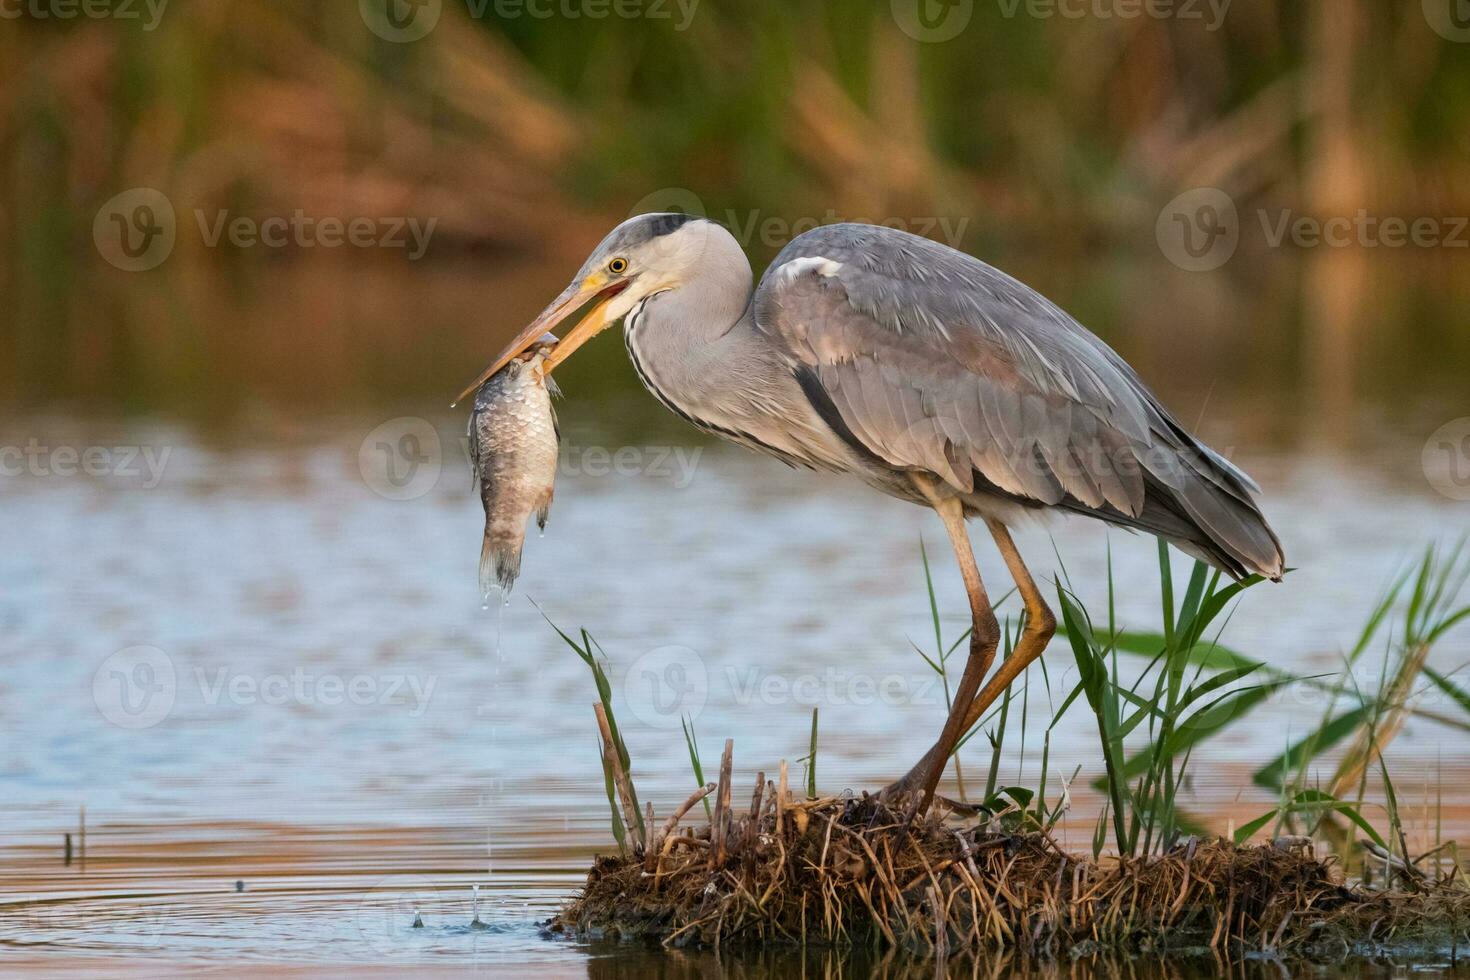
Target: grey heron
928,374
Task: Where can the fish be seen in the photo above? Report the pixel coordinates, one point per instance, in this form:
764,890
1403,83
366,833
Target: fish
513,445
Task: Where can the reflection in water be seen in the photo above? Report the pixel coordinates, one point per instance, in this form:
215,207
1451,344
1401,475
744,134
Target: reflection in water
341,915
263,348
1335,296
773,964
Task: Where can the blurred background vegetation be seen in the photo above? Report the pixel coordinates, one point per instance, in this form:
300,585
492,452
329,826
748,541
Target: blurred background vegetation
1047,144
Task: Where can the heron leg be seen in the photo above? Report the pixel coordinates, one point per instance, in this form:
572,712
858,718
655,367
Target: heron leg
1041,626
984,637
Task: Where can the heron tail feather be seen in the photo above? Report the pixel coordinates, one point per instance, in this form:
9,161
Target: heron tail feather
1200,517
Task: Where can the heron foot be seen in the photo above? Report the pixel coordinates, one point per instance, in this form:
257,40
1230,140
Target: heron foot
906,795
906,801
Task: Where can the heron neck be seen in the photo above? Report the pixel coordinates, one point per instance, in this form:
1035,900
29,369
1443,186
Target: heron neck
706,305
684,341
718,294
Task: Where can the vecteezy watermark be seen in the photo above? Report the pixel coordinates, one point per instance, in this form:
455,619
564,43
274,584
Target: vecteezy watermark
402,21
676,464
148,11
1210,12
137,230
389,913
401,459
305,231
45,919
832,686
932,21
773,231
1446,459
665,684
304,687
135,688
1200,229
139,687
35,458
679,12
1363,229
1450,19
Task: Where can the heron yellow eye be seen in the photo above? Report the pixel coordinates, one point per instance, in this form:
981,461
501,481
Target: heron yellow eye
617,266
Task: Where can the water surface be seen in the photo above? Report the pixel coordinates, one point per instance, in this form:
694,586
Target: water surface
250,645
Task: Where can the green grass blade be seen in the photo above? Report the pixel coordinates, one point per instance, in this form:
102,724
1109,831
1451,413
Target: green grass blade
619,833
1215,683
1248,829
1211,656
689,740
1273,775
589,651
1376,618
933,601
1093,669
1316,800
1456,693
1166,592
1205,723
998,734
811,763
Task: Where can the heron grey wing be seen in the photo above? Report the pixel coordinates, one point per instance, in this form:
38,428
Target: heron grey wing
907,398
931,359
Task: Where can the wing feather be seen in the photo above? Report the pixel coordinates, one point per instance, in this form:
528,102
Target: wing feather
935,361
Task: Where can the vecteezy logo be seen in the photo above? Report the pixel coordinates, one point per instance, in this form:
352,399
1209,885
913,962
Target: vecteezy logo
400,21
135,230
932,20
1450,19
1446,459
389,912
401,458
1198,230
676,199
135,688
665,684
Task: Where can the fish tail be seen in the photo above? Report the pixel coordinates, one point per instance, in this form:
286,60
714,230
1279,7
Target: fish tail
500,563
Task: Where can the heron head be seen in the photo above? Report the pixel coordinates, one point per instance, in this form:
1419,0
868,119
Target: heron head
646,254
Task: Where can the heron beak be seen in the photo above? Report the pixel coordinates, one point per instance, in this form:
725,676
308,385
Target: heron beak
571,300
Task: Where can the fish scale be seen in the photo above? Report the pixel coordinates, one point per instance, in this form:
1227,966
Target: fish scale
513,440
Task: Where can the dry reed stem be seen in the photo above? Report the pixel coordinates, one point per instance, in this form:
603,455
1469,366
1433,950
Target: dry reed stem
721,819
783,793
620,776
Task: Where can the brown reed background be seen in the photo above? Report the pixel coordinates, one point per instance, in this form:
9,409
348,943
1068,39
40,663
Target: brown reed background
1051,143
